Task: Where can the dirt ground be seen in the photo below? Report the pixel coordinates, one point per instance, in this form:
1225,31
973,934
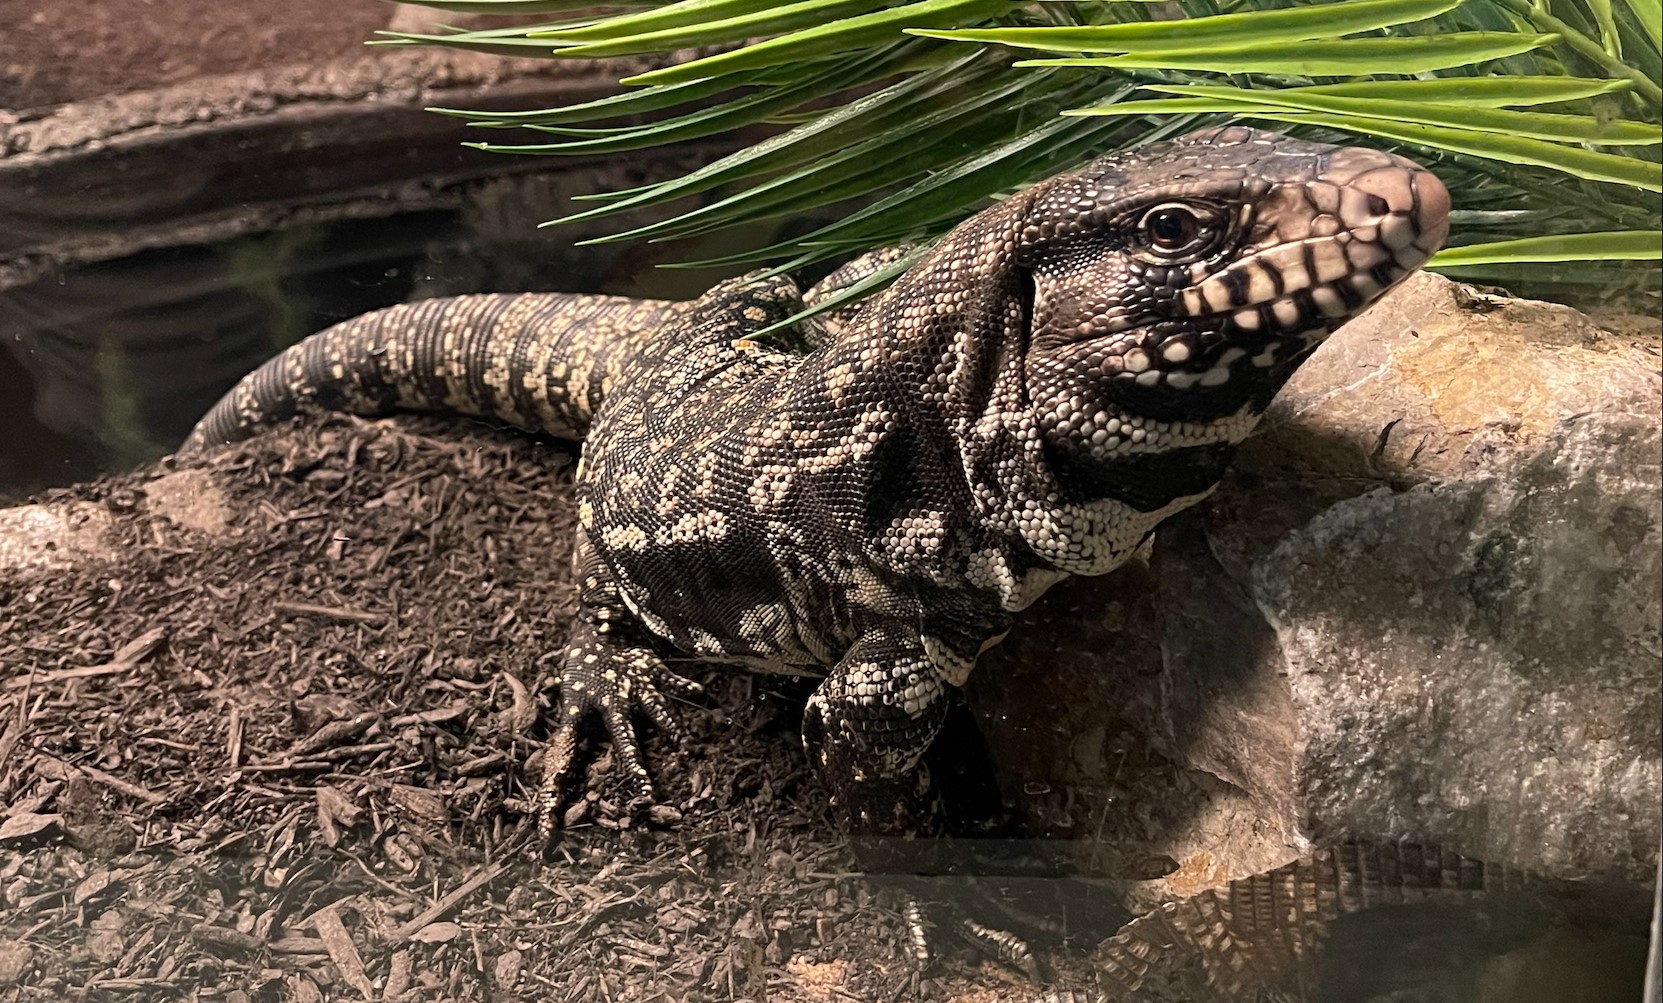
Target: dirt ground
56,52
284,748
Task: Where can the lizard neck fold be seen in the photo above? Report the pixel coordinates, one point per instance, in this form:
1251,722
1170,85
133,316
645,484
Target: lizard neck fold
925,397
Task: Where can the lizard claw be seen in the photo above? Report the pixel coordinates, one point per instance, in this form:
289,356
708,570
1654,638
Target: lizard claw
990,896
614,682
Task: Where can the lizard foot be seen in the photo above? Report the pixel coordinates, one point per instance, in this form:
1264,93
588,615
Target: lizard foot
988,897
613,681
930,923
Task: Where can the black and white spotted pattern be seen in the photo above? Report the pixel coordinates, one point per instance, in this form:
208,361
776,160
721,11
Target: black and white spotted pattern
872,499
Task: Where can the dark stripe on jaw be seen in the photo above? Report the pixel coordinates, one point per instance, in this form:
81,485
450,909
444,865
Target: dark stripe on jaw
1162,402
1302,298
1235,283
1267,319
1277,283
1347,292
1307,254
1144,481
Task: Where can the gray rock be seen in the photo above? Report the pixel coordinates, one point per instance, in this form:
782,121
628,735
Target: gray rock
53,535
1476,661
1451,526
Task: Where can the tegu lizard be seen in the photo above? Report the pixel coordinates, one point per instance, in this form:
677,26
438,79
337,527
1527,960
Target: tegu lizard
873,499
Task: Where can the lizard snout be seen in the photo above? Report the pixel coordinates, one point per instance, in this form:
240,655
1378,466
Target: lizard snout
1325,245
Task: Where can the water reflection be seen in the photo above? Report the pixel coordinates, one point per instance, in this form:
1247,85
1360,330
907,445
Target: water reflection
109,363
121,356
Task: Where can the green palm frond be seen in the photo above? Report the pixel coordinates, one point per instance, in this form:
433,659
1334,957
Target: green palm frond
1542,115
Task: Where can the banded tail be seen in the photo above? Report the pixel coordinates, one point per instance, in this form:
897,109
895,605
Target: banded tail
540,361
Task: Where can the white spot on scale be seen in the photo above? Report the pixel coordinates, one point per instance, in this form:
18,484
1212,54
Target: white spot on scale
1329,302
1260,285
1287,312
1217,296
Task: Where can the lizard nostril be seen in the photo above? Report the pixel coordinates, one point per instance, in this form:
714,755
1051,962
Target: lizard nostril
1377,205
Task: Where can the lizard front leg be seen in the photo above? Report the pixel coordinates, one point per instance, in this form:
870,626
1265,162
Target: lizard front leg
866,728
610,673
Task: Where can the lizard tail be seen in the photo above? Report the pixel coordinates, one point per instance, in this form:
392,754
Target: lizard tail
541,361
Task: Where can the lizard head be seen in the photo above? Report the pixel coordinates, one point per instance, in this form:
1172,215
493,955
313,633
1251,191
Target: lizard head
1175,287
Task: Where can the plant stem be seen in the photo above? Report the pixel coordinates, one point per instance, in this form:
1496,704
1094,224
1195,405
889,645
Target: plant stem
1644,86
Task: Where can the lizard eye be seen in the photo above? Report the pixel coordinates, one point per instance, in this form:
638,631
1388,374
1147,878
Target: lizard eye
1171,228
1179,230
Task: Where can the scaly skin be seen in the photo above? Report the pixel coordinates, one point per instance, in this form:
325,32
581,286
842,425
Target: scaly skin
1059,374
536,360
1272,936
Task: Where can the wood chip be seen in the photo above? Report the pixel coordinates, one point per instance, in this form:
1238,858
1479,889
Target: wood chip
333,733
15,959
224,940
505,972
93,886
398,976
425,804
302,989
127,656
57,769
522,713
234,738
27,828
340,807
328,612
450,901
437,933
342,951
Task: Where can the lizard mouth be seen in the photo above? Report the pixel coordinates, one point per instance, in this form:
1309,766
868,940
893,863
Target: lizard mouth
1336,242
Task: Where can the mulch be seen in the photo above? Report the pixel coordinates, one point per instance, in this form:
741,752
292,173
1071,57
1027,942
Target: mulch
293,758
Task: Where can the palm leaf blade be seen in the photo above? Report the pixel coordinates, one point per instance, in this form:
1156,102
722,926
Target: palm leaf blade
771,19
1615,245
659,18
1494,146
1325,20
1650,15
1536,125
1328,58
1483,92
839,36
